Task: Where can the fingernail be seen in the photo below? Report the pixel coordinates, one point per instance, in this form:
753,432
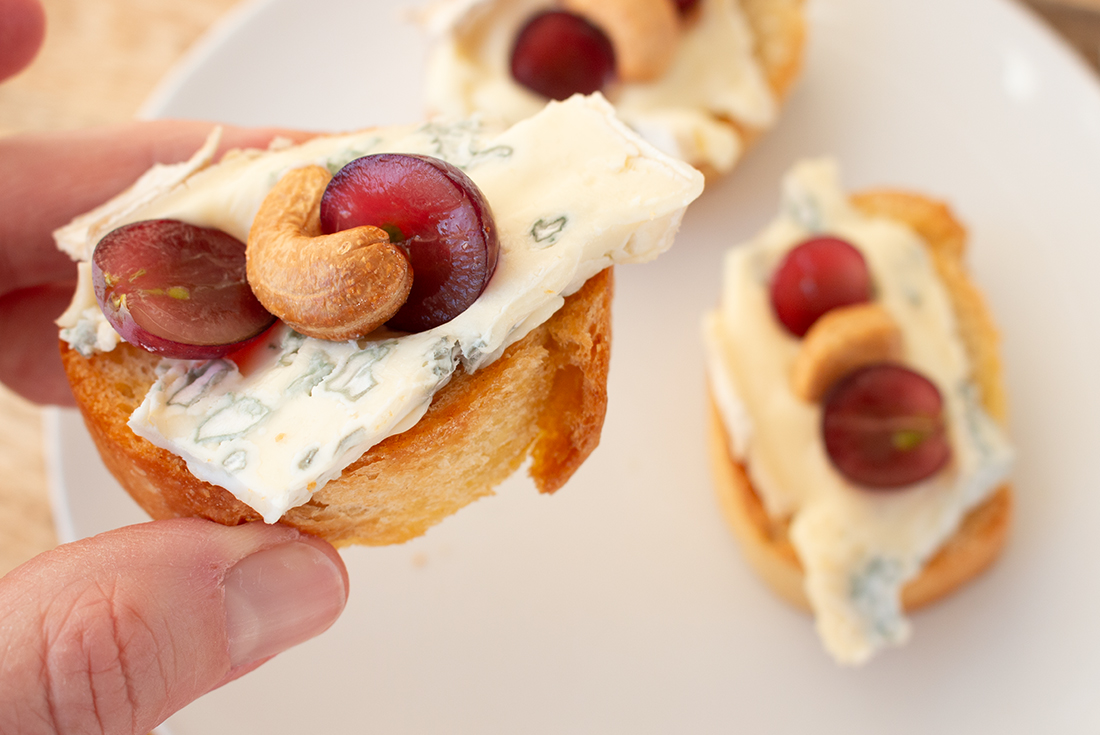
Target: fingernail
279,597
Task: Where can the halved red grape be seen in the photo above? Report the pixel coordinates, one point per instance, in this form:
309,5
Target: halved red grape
432,210
883,427
177,289
817,276
558,54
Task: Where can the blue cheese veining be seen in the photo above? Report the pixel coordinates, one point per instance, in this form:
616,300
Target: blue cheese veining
857,548
572,190
714,77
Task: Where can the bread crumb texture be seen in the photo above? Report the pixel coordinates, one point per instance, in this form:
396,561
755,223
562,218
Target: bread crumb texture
546,398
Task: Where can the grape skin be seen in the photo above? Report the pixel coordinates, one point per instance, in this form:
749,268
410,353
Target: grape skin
177,289
438,216
883,427
816,276
558,54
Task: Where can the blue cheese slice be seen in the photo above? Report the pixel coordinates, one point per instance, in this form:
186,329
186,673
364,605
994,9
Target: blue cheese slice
572,191
714,77
857,548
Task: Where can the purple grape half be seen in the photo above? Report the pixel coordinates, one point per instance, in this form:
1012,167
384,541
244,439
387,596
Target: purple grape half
558,54
436,213
883,427
177,289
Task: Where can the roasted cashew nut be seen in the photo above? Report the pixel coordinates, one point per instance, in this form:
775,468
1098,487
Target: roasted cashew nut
335,287
841,341
644,33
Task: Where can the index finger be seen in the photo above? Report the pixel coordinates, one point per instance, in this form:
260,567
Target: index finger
49,178
46,180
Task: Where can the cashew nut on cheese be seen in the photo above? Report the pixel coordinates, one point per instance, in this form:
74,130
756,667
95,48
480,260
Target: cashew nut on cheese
335,287
644,33
841,341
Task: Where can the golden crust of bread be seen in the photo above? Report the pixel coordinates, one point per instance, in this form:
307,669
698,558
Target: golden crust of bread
946,238
983,532
972,549
546,397
779,28
779,32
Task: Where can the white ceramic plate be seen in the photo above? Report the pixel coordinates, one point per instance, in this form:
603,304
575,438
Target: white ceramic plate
622,603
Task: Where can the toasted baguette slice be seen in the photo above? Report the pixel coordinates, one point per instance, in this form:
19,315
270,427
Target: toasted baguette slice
779,27
982,534
779,30
545,397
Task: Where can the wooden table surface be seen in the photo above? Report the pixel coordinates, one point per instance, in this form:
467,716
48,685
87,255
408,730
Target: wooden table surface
100,60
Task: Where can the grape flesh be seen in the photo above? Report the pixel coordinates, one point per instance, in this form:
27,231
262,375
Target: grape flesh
883,427
177,289
432,210
558,54
816,276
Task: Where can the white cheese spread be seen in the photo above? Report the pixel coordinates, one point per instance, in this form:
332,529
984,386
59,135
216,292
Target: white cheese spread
857,548
714,77
572,191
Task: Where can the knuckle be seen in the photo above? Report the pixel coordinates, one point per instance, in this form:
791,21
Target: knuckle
100,663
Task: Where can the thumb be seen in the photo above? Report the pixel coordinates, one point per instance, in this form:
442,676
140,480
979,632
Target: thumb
115,633
22,29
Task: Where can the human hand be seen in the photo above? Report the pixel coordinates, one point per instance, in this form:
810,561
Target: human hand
115,633
46,179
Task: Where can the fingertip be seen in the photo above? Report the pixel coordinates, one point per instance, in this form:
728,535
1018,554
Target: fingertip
171,140
238,137
171,609
334,556
22,30
280,597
